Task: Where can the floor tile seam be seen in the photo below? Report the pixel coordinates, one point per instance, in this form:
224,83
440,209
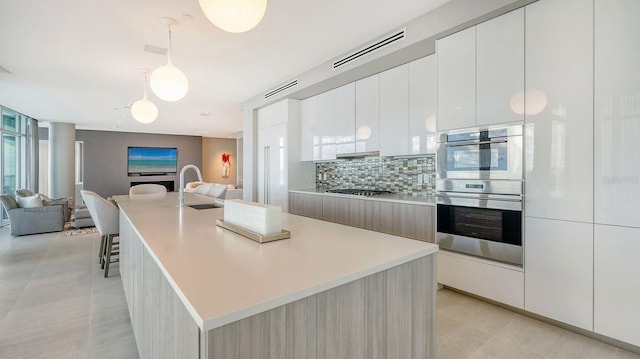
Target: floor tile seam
26,284
36,334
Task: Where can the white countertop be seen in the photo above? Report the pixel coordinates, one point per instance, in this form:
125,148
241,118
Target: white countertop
398,198
222,277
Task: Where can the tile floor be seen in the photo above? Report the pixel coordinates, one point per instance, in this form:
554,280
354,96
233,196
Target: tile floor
55,303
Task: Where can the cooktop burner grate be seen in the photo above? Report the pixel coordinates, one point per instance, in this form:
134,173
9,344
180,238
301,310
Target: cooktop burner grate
358,192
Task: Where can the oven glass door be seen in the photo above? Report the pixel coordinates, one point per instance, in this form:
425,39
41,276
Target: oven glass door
477,157
497,225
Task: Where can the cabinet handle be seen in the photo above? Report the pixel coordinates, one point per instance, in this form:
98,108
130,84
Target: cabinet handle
467,143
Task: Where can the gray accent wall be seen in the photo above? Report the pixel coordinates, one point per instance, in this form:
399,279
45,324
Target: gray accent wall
105,158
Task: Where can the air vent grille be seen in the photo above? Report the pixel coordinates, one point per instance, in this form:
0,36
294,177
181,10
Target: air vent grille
380,44
284,87
155,49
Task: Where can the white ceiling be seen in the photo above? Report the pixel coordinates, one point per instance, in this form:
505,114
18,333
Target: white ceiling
78,61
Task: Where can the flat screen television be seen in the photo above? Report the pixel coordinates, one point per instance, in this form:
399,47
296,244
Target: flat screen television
151,161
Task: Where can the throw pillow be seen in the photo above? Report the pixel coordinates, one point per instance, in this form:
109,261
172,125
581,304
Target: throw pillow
29,202
204,189
218,191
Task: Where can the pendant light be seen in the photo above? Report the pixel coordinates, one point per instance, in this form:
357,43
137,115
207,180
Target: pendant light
234,15
143,110
168,82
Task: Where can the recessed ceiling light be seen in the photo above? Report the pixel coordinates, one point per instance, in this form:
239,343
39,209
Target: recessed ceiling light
205,113
187,17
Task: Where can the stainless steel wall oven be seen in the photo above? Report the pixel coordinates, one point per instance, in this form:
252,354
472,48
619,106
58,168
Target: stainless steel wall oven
479,191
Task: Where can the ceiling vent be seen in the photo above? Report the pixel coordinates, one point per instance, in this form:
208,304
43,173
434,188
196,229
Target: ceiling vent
378,45
284,87
155,49
4,71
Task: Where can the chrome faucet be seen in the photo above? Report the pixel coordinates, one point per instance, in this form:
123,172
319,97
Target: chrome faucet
181,189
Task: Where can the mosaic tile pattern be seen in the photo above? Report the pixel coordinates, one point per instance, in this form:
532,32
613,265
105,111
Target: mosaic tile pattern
412,176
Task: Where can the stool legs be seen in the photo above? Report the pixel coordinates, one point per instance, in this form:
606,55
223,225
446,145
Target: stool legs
101,253
109,250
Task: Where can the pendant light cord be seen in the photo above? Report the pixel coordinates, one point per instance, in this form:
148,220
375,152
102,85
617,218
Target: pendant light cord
169,52
145,83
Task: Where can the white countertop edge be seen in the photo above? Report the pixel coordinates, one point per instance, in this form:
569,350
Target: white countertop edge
423,201
225,319
194,313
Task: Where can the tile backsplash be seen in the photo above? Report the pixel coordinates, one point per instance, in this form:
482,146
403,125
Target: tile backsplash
412,176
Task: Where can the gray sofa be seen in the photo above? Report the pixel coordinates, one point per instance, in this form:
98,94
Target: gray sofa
32,220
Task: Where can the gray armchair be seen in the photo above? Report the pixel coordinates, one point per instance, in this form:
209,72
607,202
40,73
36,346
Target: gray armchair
32,220
64,202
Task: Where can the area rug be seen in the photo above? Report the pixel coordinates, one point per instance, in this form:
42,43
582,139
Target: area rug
73,232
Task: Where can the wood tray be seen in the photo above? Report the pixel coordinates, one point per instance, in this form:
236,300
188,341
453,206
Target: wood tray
252,235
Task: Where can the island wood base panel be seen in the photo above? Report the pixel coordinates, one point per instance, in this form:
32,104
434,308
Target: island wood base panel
390,314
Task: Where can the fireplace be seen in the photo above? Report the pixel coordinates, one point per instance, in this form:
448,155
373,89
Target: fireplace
169,184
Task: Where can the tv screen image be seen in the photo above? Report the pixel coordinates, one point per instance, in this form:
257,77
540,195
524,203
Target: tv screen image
151,161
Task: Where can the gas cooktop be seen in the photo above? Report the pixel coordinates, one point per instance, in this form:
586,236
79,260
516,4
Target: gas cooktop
358,191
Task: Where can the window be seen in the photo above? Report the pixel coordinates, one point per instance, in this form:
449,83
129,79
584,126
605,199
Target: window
13,152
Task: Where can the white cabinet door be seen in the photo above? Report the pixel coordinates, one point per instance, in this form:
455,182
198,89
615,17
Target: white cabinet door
617,113
309,130
487,279
394,111
327,119
368,114
272,166
457,80
336,117
559,106
423,98
616,283
345,123
500,69
559,270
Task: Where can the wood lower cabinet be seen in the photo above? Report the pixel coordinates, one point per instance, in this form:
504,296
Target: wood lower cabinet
307,205
400,219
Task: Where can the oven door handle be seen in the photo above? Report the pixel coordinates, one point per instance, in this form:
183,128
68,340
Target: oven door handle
489,197
467,143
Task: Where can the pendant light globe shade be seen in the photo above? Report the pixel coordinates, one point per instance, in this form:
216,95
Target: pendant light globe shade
169,83
234,15
144,111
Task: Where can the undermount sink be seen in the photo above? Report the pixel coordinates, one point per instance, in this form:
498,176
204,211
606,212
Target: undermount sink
204,206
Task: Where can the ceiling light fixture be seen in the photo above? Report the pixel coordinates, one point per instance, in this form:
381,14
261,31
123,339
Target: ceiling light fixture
168,82
143,110
234,15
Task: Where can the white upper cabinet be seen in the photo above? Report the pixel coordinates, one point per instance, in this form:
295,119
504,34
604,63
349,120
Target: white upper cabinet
559,110
394,111
423,93
342,127
617,113
500,69
328,122
309,130
367,127
481,74
457,80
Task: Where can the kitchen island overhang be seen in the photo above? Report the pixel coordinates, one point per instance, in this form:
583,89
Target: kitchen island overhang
349,277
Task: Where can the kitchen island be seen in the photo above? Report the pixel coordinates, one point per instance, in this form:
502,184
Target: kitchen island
195,290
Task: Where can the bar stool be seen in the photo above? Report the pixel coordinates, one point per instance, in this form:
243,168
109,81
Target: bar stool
106,217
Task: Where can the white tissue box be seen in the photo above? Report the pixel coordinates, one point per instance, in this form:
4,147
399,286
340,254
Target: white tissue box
255,217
